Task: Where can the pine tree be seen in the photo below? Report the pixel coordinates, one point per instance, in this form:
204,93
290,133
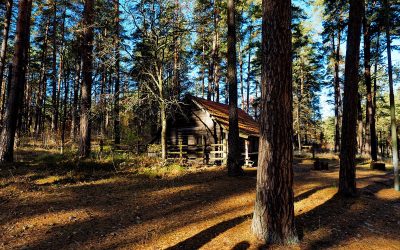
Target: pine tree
16,91
347,178
273,219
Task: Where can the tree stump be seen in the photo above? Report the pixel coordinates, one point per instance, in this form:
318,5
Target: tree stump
378,166
320,165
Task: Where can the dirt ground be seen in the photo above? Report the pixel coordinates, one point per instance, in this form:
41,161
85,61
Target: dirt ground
45,206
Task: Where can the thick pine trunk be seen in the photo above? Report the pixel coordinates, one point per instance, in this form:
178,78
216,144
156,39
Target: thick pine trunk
234,169
3,50
117,122
16,90
86,88
347,173
393,126
273,219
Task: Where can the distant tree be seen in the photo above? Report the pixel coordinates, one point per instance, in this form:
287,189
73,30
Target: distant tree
333,24
16,91
347,181
86,88
273,219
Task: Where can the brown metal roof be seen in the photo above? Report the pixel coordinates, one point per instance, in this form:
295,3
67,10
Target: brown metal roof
220,112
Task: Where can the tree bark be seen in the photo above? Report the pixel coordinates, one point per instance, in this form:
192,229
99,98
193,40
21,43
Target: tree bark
86,88
273,219
347,173
3,51
393,126
234,169
16,91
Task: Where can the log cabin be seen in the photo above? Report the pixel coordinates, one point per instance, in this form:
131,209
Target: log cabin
200,133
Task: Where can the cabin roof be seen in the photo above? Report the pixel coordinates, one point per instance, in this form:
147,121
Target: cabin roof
220,112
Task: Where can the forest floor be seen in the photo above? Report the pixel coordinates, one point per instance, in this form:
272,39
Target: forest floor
48,204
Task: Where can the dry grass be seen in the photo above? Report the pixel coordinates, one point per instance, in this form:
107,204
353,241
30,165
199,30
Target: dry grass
46,202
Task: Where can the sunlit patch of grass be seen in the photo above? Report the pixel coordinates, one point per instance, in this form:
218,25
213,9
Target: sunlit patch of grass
159,172
48,180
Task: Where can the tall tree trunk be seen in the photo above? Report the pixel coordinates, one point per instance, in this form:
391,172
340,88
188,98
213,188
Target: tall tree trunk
216,54
360,127
54,117
234,169
370,116
74,118
117,119
103,109
16,91
338,101
203,69
347,173
273,219
6,92
3,51
86,88
374,138
299,100
60,68
64,115
163,113
249,70
393,126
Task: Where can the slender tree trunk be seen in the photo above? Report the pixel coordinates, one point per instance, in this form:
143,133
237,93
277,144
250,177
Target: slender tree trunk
64,115
338,102
54,123
370,116
299,100
203,70
102,108
60,69
6,92
347,173
74,118
3,50
163,113
86,88
249,70
395,153
117,119
374,139
234,169
360,127
16,91
273,219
